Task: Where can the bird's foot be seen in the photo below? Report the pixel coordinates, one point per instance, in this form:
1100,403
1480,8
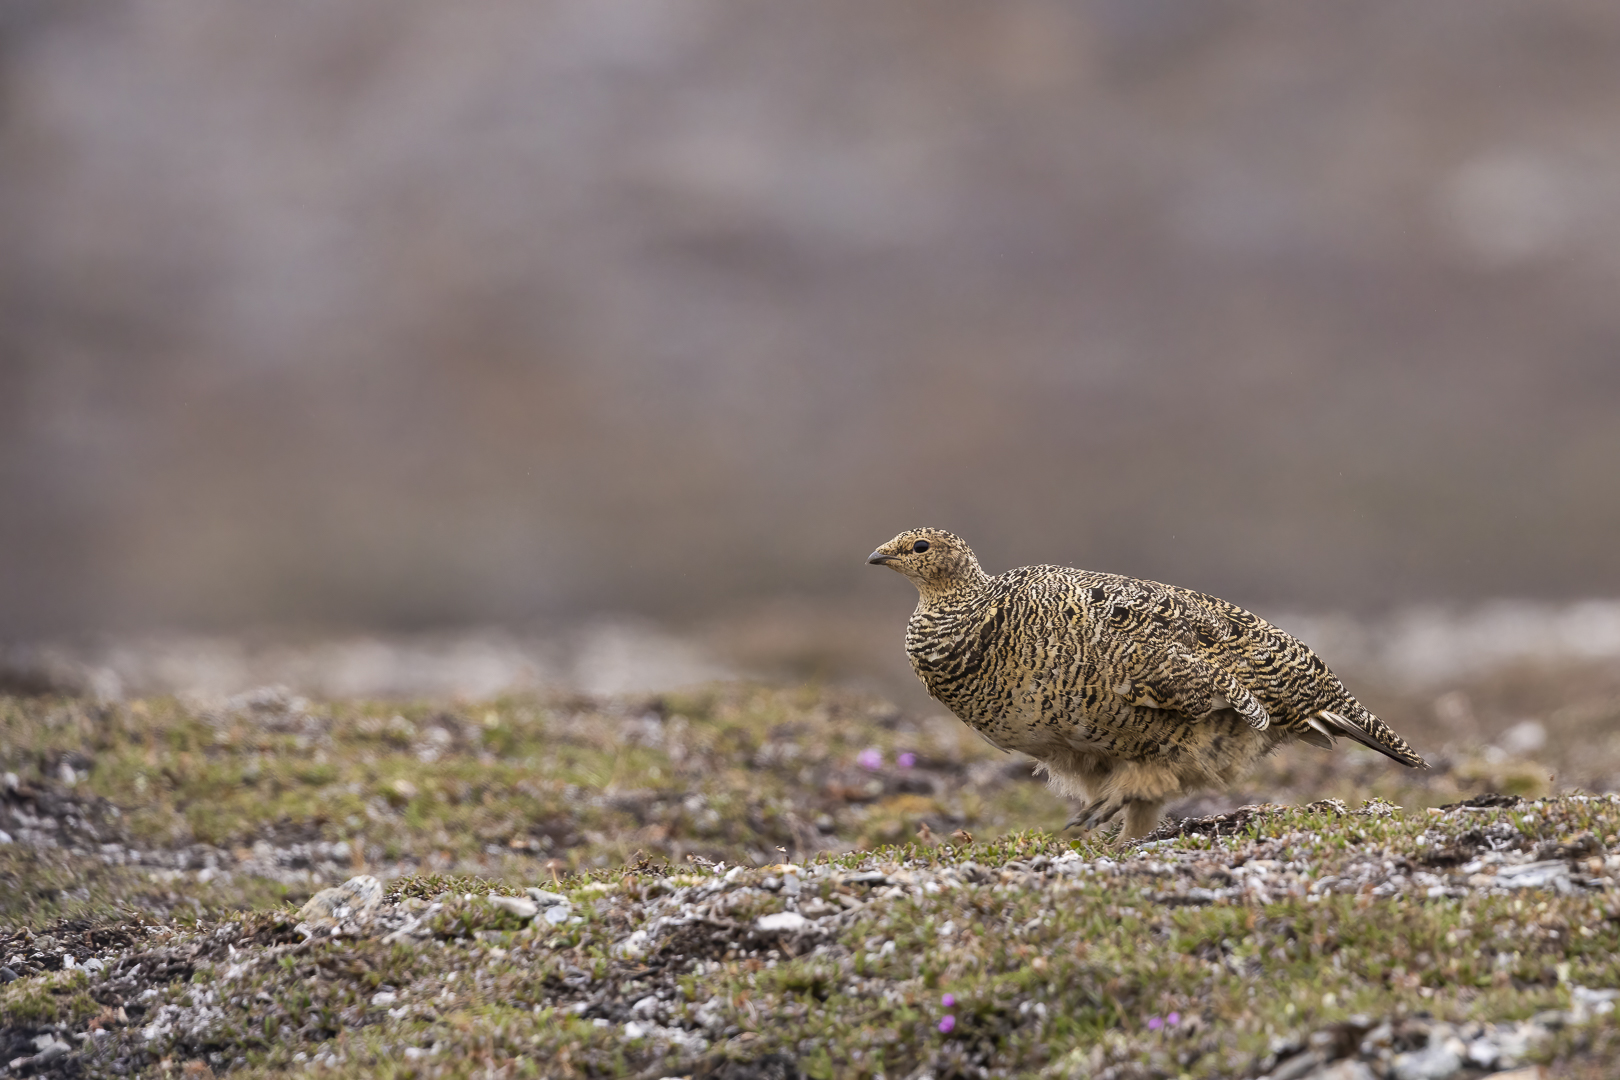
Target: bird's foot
1095,814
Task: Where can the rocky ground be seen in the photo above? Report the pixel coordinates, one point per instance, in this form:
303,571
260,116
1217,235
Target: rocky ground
757,882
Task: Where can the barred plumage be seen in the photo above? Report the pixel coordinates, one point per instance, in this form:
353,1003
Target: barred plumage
1128,692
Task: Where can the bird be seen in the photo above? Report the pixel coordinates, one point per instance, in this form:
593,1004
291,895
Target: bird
1126,692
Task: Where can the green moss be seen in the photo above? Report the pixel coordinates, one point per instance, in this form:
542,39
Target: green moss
57,997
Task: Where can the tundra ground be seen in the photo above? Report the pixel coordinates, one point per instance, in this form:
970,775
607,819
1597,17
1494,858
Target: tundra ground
756,881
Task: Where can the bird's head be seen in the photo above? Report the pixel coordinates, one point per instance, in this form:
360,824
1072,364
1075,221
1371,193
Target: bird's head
936,561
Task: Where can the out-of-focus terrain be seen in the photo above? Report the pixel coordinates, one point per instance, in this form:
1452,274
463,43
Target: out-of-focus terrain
400,318
1527,693
272,783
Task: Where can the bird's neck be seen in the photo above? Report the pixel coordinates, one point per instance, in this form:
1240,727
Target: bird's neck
952,592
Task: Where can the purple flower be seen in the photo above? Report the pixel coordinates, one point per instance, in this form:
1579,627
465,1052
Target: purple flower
949,1000
906,760
1173,1019
947,1025
1154,1023
870,758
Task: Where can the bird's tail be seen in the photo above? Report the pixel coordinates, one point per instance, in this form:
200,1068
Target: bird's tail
1372,733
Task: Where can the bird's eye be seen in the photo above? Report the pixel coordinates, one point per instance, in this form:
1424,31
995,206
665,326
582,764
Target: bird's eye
920,546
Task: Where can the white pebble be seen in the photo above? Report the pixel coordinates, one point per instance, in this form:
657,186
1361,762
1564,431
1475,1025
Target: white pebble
517,905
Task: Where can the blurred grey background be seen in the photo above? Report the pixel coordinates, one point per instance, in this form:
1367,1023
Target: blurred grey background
400,316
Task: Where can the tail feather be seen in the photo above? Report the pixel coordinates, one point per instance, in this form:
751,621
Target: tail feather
1317,733
1375,735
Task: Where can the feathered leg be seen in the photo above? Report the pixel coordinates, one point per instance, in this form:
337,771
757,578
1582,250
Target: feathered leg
1141,818
1095,813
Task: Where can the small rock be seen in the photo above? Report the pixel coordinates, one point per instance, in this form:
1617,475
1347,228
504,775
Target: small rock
868,877
544,898
1483,1053
557,914
50,1051
384,997
1535,875
1376,1039
1437,1061
1598,1001
1513,1044
634,947
1347,1069
7,975
1525,737
355,899
517,905
785,921
1296,1067
5,837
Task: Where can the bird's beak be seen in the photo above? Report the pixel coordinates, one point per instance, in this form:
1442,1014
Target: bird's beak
878,558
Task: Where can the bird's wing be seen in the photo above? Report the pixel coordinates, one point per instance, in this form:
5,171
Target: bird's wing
1293,683
1158,648
1163,647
